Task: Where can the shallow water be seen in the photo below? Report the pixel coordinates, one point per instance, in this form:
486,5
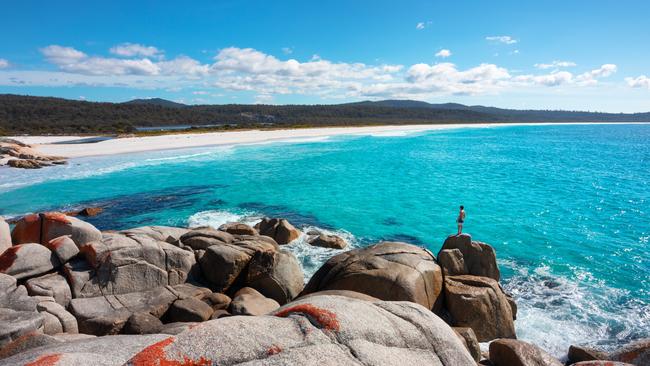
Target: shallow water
566,207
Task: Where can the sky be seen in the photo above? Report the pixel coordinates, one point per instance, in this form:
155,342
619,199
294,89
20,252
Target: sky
571,54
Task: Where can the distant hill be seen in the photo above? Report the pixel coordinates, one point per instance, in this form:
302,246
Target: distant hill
157,101
44,115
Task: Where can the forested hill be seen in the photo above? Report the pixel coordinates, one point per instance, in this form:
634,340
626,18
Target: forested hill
44,115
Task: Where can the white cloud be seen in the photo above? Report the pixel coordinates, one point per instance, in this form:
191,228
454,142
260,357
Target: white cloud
422,25
501,39
3,63
263,99
134,49
247,69
555,65
641,81
444,53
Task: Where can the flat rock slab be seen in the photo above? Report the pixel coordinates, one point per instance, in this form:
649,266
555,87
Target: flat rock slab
100,351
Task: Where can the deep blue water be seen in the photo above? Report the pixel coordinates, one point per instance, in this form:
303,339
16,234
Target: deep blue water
566,207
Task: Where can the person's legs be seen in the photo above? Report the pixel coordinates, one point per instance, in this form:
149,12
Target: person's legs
460,228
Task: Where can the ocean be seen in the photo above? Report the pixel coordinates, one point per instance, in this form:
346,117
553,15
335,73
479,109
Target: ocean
567,207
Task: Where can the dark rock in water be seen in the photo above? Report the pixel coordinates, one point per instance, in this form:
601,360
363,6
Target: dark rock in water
328,241
636,353
468,337
238,228
189,310
577,354
142,323
512,352
480,258
26,163
248,301
480,304
90,211
27,260
279,229
388,271
41,228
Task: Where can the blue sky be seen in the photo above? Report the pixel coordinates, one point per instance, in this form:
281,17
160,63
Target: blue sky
586,55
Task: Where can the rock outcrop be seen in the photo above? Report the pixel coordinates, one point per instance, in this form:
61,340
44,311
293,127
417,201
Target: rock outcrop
636,353
279,229
19,155
388,271
480,304
512,352
479,259
328,241
41,228
27,260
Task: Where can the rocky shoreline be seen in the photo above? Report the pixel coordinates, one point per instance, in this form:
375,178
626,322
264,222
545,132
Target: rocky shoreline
16,154
155,295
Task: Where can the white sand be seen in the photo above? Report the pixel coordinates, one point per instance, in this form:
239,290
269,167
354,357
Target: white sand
178,141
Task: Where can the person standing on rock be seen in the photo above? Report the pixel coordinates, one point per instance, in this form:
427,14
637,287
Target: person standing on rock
461,219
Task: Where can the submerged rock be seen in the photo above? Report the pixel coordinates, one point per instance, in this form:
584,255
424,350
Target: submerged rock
387,271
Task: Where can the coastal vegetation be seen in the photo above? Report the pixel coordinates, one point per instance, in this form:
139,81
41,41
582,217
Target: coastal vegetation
45,115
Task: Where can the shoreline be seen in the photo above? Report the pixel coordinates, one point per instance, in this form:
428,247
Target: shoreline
173,141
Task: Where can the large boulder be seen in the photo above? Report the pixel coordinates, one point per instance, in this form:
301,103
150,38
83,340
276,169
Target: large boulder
479,258
14,324
328,241
238,228
64,247
53,285
27,260
5,236
279,229
247,301
512,352
636,353
129,263
323,330
43,227
578,354
468,337
168,234
13,296
387,271
190,309
452,263
109,314
64,318
253,262
480,304
142,323
205,237
100,351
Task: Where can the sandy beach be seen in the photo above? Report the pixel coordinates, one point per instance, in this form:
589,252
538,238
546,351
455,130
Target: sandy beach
48,144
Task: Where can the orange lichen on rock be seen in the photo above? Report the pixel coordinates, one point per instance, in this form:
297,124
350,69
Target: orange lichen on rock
56,216
8,257
89,253
274,350
27,230
55,243
325,318
46,360
155,355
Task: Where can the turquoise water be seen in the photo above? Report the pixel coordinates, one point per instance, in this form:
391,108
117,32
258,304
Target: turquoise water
566,207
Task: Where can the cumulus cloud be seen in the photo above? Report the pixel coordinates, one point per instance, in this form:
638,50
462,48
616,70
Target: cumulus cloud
641,81
501,39
444,53
265,75
3,63
134,49
555,65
